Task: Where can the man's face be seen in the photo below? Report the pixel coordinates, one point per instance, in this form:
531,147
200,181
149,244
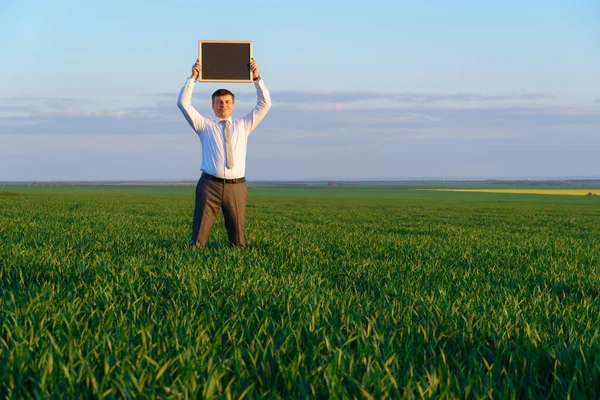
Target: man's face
223,106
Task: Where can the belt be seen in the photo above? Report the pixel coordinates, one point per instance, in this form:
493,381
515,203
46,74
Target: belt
221,180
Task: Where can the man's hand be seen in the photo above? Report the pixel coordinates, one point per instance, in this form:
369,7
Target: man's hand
196,68
255,69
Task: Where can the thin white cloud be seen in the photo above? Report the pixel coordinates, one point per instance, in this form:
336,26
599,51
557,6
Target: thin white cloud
324,122
324,118
37,104
466,97
315,98
344,97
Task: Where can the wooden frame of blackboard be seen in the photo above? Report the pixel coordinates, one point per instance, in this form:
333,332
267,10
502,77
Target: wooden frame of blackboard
225,60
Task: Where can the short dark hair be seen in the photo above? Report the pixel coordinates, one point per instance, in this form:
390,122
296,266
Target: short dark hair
222,92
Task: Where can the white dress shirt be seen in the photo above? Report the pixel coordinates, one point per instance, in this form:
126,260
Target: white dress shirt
212,135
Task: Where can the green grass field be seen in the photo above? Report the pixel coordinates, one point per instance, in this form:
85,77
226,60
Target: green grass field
344,293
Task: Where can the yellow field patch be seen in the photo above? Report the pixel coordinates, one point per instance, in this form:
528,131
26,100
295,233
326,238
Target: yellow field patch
563,192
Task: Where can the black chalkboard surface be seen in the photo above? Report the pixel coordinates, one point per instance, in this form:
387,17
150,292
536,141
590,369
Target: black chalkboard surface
225,60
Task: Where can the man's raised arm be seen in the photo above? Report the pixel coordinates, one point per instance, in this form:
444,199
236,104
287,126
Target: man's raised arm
263,100
184,102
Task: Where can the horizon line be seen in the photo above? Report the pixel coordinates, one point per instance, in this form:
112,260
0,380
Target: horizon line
316,180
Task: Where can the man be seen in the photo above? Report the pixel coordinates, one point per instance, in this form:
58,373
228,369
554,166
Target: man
222,183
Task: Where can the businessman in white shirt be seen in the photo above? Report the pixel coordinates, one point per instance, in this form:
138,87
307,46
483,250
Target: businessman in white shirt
222,184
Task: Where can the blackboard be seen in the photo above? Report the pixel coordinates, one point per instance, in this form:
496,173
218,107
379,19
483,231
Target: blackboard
225,60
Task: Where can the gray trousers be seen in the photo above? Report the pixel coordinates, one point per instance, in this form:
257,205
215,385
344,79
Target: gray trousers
211,196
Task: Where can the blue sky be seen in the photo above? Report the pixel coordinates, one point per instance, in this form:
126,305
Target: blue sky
373,90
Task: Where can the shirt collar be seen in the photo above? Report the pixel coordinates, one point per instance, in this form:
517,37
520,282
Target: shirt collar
226,119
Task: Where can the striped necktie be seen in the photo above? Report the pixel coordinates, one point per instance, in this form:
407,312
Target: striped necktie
228,146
